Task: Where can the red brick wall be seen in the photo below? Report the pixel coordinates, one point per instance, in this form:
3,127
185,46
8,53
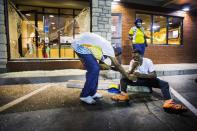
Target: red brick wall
186,53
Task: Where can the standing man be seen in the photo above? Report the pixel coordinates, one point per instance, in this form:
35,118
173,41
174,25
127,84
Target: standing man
143,70
138,37
92,49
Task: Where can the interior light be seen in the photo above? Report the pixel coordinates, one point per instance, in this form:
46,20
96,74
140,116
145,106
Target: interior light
28,14
143,23
155,26
170,23
51,16
186,7
115,2
52,23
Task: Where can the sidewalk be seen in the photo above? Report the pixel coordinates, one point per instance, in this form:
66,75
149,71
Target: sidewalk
28,77
162,70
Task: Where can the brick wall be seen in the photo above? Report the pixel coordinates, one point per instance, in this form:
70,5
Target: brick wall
187,53
3,42
101,18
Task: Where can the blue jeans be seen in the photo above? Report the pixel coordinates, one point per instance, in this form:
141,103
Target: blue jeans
140,47
92,75
155,82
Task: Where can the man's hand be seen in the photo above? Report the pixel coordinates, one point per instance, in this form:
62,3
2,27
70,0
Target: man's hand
130,37
104,67
137,74
136,64
132,77
134,67
149,75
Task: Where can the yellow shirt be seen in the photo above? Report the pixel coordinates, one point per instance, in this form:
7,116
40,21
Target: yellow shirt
95,50
138,35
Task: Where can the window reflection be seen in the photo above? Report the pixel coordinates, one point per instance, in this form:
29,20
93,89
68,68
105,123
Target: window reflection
45,33
159,30
174,30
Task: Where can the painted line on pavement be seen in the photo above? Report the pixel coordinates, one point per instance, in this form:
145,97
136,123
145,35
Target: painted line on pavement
14,102
184,101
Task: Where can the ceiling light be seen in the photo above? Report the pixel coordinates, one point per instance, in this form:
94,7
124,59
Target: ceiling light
170,23
52,23
28,14
116,0
186,7
51,16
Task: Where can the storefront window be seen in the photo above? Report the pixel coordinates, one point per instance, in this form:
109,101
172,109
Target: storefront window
162,30
28,8
28,41
45,33
174,30
15,28
66,11
51,10
116,30
66,36
159,29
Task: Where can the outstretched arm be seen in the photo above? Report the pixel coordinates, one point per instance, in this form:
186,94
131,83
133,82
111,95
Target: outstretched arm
149,75
119,67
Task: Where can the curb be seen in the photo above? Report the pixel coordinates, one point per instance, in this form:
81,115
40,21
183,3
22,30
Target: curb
103,75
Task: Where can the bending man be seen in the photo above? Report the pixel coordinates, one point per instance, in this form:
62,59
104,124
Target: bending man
92,49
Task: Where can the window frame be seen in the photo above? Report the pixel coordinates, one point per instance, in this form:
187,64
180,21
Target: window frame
167,27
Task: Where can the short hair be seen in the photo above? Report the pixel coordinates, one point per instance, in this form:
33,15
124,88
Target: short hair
137,51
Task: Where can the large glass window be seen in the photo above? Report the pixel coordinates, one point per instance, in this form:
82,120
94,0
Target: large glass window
162,30
45,33
159,29
174,30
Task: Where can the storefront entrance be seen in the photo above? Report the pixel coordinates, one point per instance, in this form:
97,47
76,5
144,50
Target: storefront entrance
45,32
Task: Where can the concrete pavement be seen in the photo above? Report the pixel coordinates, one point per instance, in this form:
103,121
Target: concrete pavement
59,108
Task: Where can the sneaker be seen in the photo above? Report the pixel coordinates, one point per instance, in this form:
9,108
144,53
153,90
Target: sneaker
88,100
97,96
121,97
170,105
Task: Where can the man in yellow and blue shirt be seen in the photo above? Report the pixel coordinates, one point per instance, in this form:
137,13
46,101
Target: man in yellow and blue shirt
137,35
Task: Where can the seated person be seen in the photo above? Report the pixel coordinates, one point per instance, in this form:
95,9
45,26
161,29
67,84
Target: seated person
143,73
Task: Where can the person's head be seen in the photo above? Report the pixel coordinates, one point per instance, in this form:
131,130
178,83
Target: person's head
138,22
137,55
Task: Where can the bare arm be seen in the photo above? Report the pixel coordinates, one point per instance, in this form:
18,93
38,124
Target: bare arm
119,67
134,66
130,37
149,75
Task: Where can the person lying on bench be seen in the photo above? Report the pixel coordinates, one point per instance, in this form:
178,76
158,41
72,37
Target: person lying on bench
143,73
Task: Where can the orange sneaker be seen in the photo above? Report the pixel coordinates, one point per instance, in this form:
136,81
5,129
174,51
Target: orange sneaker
121,97
170,105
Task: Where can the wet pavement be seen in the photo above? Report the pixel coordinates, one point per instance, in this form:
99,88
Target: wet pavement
59,108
